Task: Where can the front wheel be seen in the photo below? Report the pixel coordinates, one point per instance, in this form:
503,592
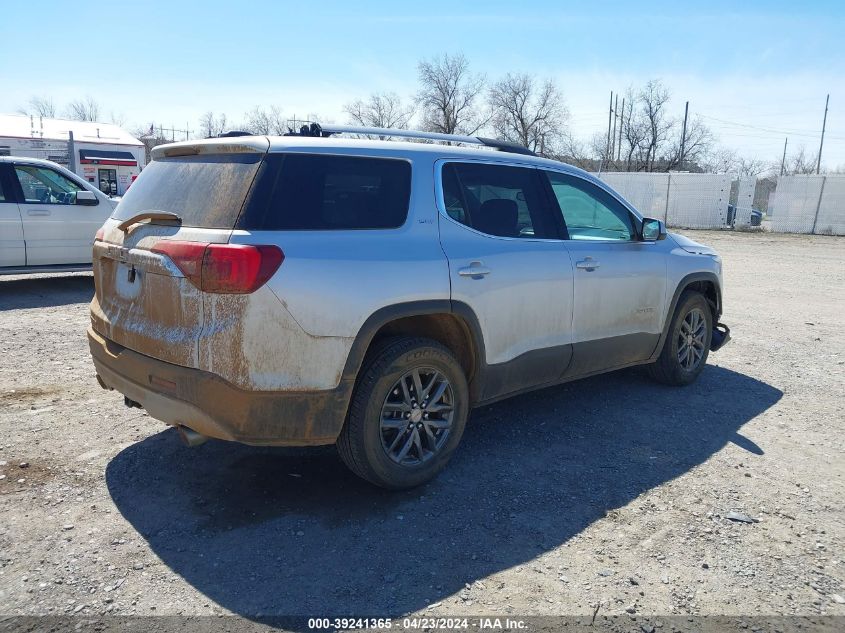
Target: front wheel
407,414
687,345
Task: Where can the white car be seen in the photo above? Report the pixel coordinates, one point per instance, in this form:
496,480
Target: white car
48,217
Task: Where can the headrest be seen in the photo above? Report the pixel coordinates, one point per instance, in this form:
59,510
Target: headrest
497,217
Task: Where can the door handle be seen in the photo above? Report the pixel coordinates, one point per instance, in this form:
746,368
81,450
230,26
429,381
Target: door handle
475,270
588,264
38,212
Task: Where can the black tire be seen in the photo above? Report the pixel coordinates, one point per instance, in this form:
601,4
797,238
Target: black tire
361,444
668,368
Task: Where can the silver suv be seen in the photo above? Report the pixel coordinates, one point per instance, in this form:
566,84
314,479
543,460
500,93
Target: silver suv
308,289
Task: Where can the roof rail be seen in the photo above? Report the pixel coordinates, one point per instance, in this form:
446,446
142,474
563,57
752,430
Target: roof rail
327,130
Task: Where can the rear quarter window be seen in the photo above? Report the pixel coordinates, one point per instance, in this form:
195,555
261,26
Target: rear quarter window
318,192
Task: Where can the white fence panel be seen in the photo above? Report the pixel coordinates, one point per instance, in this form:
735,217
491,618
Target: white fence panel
744,201
831,216
698,201
793,206
695,201
645,192
799,204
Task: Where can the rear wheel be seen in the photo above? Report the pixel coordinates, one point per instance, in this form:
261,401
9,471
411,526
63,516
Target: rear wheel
687,345
407,413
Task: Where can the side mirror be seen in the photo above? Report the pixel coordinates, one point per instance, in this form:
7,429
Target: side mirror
653,230
86,198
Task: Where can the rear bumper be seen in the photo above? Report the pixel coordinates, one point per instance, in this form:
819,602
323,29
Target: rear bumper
211,406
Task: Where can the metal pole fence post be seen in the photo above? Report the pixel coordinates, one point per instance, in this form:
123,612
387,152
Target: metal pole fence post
821,143
666,208
818,205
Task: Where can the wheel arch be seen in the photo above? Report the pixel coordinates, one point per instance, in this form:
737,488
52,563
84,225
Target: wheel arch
451,323
707,283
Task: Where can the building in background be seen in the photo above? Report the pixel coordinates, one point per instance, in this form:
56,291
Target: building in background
102,153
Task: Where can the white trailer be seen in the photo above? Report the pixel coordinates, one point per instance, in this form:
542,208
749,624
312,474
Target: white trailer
103,154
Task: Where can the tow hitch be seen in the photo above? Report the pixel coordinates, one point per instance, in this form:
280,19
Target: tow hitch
721,335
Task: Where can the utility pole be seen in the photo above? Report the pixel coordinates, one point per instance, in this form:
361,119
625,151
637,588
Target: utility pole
783,160
621,122
609,116
824,125
613,136
683,138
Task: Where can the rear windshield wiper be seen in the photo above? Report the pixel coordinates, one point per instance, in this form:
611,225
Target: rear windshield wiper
160,216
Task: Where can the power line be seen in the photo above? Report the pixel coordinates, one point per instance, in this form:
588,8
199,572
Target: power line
813,135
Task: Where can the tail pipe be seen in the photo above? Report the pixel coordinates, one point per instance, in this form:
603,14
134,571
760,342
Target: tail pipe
190,437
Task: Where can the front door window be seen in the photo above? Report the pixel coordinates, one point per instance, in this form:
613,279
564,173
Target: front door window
44,186
589,212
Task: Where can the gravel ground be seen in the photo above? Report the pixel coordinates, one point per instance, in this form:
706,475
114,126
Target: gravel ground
608,495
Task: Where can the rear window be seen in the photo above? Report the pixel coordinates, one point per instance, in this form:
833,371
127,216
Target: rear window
319,192
206,191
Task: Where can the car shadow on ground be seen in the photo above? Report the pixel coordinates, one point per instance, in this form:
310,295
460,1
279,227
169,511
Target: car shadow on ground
44,292
271,531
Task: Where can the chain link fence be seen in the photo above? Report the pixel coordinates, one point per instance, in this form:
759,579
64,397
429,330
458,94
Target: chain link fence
691,201
809,204
789,204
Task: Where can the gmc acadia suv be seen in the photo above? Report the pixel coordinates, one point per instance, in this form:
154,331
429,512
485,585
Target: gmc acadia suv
306,289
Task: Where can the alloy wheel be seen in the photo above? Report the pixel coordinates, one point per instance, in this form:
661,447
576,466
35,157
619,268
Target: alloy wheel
692,337
417,416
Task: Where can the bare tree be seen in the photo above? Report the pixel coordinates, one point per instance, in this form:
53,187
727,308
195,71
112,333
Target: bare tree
40,106
800,163
634,134
720,161
380,110
647,132
575,152
753,167
652,102
269,121
529,113
211,125
600,150
449,94
86,109
696,144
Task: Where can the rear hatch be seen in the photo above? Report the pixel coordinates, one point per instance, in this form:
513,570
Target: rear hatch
149,256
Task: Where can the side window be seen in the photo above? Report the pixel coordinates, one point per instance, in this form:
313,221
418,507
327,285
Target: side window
589,212
322,192
497,199
44,186
2,193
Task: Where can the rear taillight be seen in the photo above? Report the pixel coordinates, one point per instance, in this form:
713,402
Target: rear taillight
223,268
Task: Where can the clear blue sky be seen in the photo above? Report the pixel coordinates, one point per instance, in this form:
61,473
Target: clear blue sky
762,64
